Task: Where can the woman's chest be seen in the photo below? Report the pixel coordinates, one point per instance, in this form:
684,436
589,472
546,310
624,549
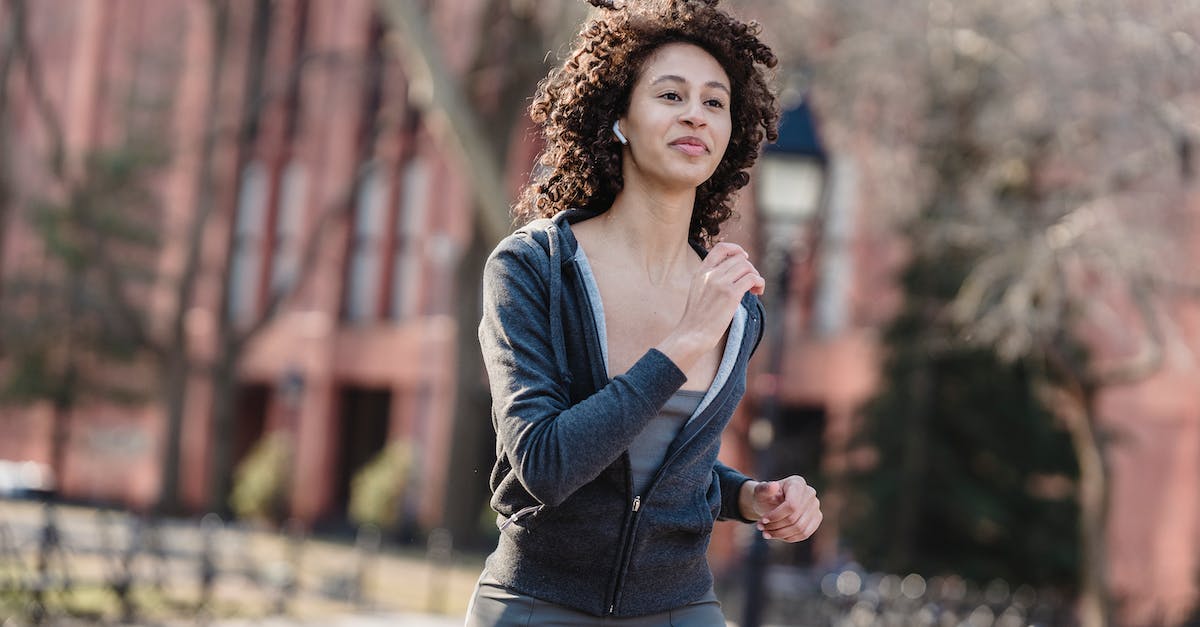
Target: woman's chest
638,316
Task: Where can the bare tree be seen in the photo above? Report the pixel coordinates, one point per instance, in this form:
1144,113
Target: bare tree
516,38
1055,140
484,110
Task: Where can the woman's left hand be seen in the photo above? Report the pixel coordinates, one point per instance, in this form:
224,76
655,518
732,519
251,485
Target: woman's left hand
787,509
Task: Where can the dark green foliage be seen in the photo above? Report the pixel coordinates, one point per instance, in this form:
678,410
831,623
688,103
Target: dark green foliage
973,475
69,331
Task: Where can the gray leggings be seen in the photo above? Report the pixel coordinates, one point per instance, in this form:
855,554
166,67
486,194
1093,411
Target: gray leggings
493,605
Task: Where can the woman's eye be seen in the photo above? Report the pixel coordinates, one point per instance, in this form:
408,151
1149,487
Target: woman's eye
715,103
671,96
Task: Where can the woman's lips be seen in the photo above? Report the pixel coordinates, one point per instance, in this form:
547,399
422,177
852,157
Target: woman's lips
690,146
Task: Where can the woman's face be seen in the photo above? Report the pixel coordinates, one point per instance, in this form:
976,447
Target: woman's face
678,123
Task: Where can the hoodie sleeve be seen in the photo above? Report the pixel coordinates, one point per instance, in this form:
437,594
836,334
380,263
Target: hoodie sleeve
555,448
731,487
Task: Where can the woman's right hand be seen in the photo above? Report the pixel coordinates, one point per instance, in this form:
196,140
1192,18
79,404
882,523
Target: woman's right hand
717,288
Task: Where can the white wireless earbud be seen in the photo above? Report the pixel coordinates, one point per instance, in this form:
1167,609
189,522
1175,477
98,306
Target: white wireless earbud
620,136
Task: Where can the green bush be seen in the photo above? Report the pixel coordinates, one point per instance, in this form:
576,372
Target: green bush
377,490
261,481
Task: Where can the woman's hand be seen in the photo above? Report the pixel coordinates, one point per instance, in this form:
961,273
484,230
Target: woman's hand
787,509
717,289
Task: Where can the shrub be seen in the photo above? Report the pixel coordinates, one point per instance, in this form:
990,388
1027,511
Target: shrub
261,481
377,490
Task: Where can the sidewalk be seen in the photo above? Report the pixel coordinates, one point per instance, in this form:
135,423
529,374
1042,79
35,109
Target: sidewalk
401,619
389,619
399,585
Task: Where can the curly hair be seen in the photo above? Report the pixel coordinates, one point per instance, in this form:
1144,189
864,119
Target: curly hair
575,106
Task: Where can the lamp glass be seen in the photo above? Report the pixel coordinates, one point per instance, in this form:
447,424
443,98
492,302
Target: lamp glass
789,188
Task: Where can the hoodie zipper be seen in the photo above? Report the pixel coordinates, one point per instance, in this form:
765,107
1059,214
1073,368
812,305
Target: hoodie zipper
636,506
626,553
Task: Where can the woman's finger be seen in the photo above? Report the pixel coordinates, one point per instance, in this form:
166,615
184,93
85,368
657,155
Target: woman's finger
722,252
749,283
733,270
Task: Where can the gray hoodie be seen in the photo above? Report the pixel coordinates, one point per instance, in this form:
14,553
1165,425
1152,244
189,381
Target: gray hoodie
572,531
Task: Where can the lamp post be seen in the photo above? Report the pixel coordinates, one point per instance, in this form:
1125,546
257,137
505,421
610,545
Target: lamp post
790,187
291,392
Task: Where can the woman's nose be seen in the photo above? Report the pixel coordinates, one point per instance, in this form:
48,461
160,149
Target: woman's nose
692,115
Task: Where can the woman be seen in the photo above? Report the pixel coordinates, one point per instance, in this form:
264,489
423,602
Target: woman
615,342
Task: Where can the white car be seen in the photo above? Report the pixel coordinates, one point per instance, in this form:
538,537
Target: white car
25,479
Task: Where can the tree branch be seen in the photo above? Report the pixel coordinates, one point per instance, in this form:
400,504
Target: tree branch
8,55
308,258
205,204
1148,360
1182,288
33,76
423,61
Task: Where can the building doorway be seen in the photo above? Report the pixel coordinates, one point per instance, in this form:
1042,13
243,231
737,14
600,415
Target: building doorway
252,402
363,432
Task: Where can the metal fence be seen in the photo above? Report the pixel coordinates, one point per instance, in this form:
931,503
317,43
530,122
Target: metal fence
44,562
853,597
48,564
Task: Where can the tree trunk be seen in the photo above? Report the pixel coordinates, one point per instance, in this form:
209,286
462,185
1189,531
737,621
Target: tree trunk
482,135
1095,606
60,434
912,470
224,389
175,380
8,53
177,349
471,401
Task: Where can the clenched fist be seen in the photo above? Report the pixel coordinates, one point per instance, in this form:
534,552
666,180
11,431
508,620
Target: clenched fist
786,509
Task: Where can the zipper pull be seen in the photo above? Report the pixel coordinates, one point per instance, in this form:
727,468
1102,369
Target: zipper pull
637,503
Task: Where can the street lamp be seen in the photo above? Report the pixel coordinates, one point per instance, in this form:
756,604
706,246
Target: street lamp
291,390
790,189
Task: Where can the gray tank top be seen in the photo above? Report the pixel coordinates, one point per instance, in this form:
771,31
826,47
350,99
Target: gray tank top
649,449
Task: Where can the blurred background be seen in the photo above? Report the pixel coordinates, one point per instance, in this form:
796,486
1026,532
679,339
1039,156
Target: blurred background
240,254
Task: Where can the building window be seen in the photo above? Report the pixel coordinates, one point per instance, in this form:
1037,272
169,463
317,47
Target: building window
407,244
248,245
366,246
285,258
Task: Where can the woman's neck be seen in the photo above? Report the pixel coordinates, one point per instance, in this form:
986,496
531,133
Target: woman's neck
650,229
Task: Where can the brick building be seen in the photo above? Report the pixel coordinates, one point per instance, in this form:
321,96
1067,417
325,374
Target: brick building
332,151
